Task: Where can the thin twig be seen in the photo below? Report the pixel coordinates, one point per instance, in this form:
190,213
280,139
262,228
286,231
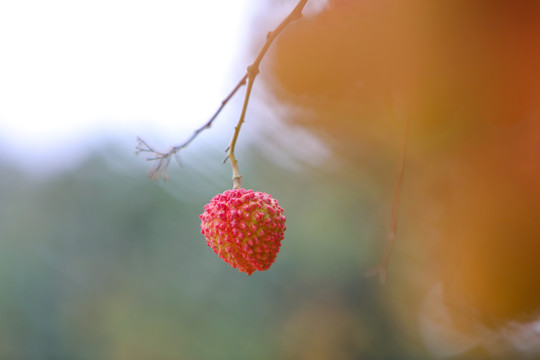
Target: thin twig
163,158
382,268
208,124
252,72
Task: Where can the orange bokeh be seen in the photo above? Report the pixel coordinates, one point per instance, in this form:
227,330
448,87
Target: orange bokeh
466,75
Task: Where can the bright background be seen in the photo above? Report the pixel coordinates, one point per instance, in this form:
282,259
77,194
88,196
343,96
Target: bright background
72,72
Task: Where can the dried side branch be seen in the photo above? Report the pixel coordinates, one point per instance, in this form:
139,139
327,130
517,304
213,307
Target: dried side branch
163,159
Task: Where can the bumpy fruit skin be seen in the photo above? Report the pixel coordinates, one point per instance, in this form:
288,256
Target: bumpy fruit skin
244,228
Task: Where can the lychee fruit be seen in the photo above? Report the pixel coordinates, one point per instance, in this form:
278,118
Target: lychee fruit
244,228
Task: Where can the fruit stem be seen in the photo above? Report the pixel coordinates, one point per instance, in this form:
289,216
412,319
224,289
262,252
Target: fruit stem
237,178
252,72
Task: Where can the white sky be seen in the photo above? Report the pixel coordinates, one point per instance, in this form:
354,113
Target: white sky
71,70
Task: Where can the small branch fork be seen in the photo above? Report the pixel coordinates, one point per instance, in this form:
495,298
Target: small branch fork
163,158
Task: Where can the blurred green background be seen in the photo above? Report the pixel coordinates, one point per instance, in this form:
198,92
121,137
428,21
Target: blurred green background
99,262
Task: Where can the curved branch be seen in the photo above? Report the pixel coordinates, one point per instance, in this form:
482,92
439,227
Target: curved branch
252,72
163,158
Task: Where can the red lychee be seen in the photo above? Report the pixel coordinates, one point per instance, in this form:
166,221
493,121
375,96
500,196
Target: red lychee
244,228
